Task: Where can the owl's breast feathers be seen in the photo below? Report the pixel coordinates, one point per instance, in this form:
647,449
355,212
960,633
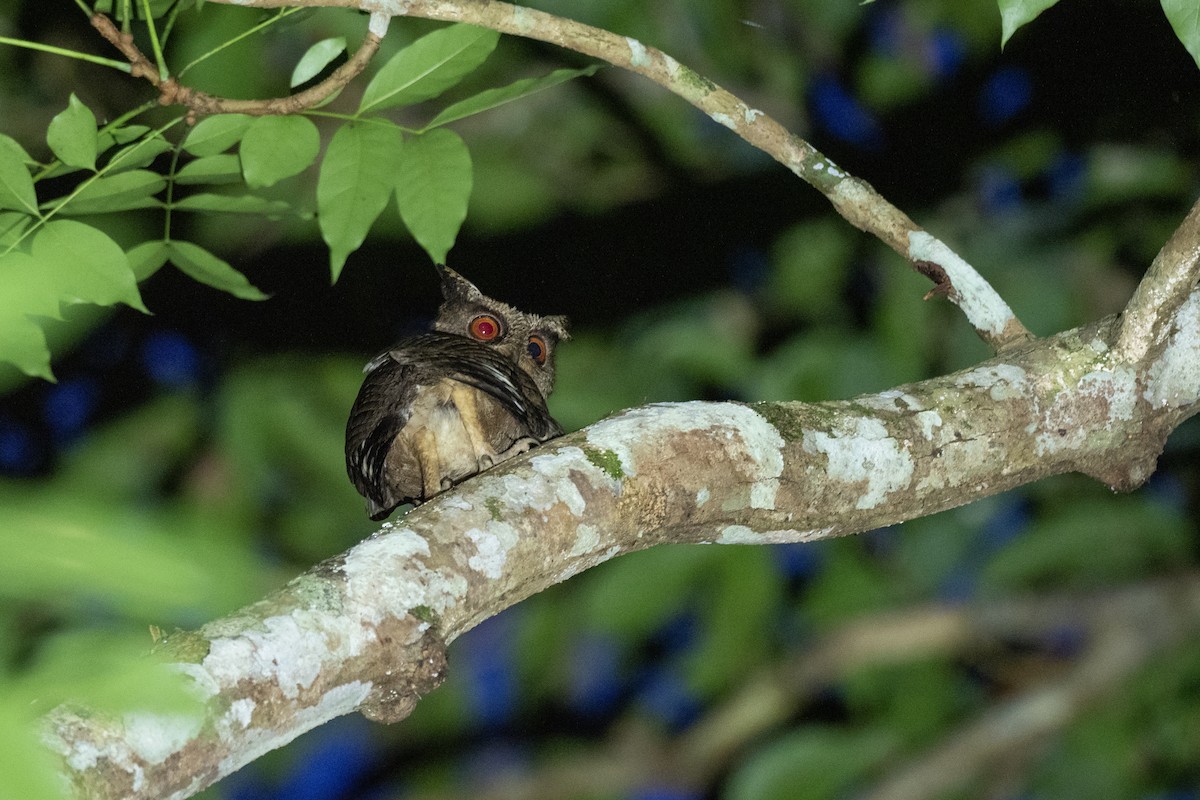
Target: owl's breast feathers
416,428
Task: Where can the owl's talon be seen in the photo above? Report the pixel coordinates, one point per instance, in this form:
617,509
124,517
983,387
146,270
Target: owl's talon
446,484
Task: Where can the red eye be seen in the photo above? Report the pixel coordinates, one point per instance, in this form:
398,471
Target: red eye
537,349
485,327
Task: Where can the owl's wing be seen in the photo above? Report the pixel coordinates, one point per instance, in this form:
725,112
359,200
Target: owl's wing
382,409
393,379
478,365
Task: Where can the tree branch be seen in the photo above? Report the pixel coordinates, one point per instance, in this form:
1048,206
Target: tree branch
1170,282
853,198
172,92
367,630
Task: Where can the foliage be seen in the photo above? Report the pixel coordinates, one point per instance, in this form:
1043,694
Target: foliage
363,166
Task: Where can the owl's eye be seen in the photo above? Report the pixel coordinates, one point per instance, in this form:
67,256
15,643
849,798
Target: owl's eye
485,327
537,349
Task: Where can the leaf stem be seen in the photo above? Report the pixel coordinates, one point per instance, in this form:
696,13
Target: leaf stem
60,51
163,74
283,12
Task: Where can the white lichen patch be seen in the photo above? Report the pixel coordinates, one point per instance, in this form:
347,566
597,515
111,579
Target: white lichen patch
750,114
155,737
551,483
1174,379
1101,399
865,454
251,744
378,26
672,66
241,711
854,194
984,308
638,56
723,119
80,754
647,429
587,539
929,421
523,19
288,650
703,496
1116,387
892,400
492,543
1003,381
386,575
740,534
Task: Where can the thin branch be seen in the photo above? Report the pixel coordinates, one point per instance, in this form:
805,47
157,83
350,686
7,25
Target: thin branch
172,92
1171,280
853,198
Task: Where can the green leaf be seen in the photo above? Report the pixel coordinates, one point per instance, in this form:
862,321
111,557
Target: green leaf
12,225
139,154
274,148
1185,19
120,192
16,185
219,169
31,771
433,187
203,266
428,66
356,178
129,133
216,134
89,547
1094,541
1015,13
147,258
743,592
72,135
632,596
85,264
827,762
491,98
234,204
316,58
28,289
13,146
106,671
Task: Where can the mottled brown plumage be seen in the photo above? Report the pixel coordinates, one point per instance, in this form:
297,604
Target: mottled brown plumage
439,407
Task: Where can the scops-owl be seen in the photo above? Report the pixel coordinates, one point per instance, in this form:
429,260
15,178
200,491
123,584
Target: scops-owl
439,407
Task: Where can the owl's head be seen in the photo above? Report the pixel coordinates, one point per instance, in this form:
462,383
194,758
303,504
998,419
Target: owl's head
528,340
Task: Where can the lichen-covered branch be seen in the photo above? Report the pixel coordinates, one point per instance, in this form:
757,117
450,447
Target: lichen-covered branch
1171,281
198,103
853,198
367,630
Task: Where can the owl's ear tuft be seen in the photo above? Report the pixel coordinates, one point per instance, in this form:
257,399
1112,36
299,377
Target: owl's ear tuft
455,286
557,325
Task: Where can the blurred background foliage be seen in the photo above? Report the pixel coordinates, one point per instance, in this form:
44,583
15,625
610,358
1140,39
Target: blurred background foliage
189,461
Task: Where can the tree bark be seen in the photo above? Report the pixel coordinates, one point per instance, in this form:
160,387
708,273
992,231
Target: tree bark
367,630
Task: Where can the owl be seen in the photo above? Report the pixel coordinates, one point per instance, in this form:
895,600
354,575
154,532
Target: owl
439,407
